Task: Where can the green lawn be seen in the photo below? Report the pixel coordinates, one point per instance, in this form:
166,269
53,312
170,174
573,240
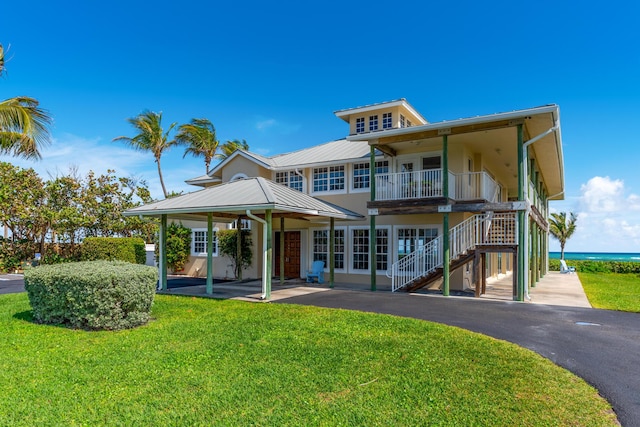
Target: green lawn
211,362
612,291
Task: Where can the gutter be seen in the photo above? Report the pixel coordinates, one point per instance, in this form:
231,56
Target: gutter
264,249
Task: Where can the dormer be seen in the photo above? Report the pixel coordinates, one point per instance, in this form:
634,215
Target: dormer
382,116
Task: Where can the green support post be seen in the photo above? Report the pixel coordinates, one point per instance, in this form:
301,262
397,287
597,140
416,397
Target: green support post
281,250
209,286
269,258
239,245
332,252
162,252
445,218
372,219
522,229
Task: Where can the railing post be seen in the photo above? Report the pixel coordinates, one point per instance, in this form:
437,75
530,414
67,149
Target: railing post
372,219
445,219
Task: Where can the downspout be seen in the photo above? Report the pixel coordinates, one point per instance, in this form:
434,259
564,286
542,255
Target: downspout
264,247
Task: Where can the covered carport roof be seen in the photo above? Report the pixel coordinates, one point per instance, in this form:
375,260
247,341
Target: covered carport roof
233,199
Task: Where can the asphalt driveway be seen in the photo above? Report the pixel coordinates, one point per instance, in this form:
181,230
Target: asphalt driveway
11,283
601,346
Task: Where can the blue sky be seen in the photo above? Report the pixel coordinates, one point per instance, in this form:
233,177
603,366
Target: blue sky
273,73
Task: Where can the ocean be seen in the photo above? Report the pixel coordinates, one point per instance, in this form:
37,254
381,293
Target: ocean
597,256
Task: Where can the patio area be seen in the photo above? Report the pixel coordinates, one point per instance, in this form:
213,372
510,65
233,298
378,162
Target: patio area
554,289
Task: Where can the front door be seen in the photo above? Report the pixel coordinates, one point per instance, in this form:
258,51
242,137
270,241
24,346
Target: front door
291,254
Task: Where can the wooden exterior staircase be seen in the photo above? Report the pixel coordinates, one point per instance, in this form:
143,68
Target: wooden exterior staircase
425,265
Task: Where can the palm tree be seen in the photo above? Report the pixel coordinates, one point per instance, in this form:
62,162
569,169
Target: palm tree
561,228
229,147
151,138
200,138
24,127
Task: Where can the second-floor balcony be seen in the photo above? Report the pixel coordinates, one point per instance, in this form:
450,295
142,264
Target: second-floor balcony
427,184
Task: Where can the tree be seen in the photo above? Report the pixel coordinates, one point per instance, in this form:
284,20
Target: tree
229,147
24,126
200,138
151,137
228,246
562,228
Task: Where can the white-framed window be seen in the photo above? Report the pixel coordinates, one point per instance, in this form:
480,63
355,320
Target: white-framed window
199,242
244,223
359,124
387,120
238,176
361,173
373,123
402,122
291,179
411,238
320,247
360,249
408,123
329,178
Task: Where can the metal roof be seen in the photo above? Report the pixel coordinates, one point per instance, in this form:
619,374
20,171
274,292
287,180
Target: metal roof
255,194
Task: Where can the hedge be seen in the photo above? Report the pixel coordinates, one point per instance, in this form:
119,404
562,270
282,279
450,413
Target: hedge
108,295
129,249
590,266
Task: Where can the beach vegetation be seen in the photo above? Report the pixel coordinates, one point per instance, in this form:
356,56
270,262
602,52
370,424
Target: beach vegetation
592,266
200,138
562,228
151,137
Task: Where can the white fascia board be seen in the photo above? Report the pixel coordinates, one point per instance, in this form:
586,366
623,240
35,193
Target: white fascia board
233,156
519,114
201,209
325,163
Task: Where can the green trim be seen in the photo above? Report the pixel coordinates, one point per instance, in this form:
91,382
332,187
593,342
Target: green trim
269,219
332,255
372,219
522,228
209,287
239,245
446,256
162,249
281,250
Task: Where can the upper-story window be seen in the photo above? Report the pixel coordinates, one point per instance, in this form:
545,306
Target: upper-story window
329,178
361,173
373,123
387,121
402,122
360,125
408,123
291,179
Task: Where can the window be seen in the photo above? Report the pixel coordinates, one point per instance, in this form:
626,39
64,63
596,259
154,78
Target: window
431,163
411,239
361,173
402,122
360,125
244,223
328,179
408,123
199,242
373,123
321,247
291,179
360,247
387,121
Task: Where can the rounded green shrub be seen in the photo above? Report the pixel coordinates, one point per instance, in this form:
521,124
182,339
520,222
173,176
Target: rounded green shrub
129,249
97,295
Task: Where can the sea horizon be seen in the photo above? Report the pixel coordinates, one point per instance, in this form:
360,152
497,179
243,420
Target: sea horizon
598,256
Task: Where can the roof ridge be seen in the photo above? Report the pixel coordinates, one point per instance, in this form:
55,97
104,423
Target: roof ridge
266,189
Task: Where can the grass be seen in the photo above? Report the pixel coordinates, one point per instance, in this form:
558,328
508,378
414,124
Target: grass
211,362
612,291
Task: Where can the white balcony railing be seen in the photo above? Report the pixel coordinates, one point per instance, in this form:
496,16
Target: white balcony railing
427,184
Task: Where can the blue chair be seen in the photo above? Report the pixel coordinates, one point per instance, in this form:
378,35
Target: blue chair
317,271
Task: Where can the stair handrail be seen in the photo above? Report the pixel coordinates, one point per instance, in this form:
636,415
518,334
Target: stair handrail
421,262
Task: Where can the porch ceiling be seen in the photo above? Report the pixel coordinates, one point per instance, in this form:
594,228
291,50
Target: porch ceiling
495,138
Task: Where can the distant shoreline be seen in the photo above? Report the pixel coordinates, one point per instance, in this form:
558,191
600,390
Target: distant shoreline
598,256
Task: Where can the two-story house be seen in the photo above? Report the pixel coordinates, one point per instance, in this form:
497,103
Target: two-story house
415,204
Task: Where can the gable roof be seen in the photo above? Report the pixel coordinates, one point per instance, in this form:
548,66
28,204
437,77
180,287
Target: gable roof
236,197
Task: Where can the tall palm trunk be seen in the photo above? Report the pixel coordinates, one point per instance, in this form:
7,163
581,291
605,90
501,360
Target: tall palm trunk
164,189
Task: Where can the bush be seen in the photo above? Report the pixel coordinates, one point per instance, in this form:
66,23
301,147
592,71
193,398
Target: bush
590,266
108,295
129,249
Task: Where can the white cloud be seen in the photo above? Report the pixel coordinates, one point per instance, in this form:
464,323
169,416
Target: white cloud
608,218
265,124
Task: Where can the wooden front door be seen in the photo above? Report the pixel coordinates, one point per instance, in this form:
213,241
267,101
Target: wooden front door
291,254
